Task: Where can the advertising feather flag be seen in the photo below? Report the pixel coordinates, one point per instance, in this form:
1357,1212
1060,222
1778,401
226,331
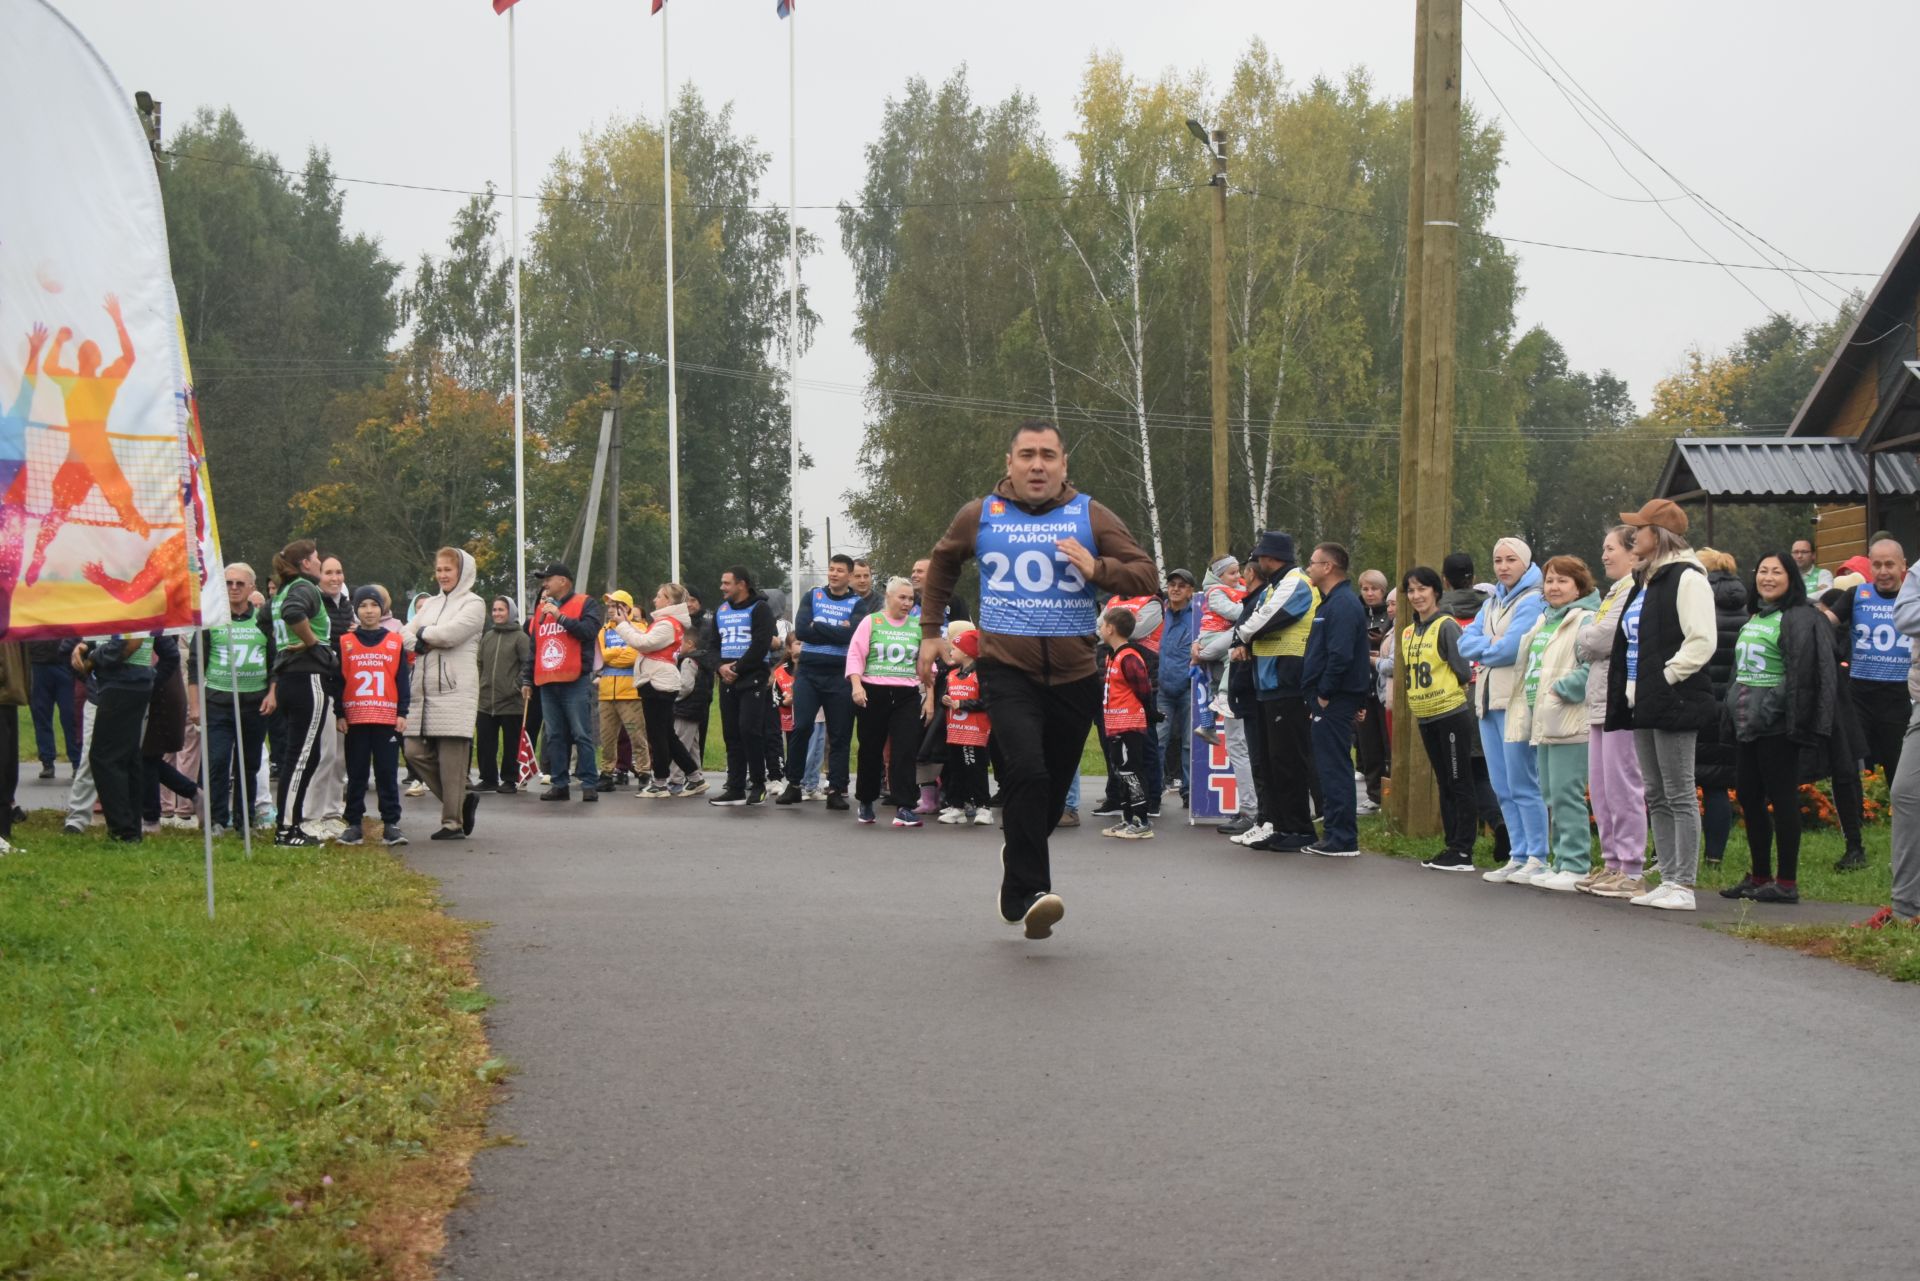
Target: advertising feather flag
106,511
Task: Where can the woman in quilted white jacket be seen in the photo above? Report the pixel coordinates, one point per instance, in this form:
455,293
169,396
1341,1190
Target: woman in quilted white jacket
1548,712
444,634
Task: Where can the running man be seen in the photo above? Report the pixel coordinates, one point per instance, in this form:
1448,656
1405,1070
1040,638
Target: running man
1043,549
90,392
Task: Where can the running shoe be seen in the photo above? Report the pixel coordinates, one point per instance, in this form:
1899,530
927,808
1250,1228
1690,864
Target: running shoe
904,817
866,812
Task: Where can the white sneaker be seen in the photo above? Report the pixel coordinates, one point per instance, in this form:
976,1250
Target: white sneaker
179,824
983,817
1562,881
1507,871
814,794
1652,896
1253,835
1535,869
952,815
1219,705
1677,899
417,788
1363,805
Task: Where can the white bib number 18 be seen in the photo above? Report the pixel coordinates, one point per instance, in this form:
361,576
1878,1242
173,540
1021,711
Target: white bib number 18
1032,571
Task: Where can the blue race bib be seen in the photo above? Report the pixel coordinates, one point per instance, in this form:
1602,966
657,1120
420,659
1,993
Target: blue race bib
1028,587
835,613
1630,624
736,629
1880,652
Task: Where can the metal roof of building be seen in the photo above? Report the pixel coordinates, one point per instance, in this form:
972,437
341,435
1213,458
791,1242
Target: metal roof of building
1784,469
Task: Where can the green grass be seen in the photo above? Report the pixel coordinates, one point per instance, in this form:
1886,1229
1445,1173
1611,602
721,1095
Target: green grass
244,1098
1820,849
1893,952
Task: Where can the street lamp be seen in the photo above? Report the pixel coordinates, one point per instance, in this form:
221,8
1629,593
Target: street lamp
1216,145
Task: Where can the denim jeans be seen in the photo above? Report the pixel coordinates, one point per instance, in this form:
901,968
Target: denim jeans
816,687
568,712
1175,735
52,695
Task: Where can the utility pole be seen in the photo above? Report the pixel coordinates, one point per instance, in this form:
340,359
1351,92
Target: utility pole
1221,520
1427,361
613,476
617,352
1216,145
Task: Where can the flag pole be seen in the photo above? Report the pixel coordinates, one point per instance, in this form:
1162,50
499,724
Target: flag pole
206,766
519,412
793,309
244,794
673,395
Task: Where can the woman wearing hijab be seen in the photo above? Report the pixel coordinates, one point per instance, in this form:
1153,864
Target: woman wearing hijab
444,634
1492,640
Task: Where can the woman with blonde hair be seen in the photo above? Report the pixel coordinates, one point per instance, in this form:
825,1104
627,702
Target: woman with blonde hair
1658,687
657,676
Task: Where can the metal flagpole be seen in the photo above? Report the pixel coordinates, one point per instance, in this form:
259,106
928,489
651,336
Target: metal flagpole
673,395
793,310
206,771
519,412
245,795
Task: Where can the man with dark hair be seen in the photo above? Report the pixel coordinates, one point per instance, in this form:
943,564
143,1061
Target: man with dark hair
1337,675
1461,600
745,623
824,621
565,626
1044,549
1273,632
1816,578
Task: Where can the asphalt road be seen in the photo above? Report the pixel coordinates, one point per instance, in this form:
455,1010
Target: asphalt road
759,1044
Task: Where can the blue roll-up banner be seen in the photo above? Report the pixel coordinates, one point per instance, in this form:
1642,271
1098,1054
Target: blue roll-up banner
1215,790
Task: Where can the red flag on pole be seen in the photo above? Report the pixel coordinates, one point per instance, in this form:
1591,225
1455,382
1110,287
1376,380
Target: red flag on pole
501,6
658,5
529,766
783,8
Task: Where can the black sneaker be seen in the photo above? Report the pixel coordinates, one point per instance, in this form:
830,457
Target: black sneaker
1284,843
1109,809
1450,861
46,771
1238,824
351,834
789,795
505,789
1747,888
756,796
1042,914
1154,812
447,834
589,794
393,836
836,800
1854,860
1775,892
728,797
606,782
1325,849
556,793
296,838
468,808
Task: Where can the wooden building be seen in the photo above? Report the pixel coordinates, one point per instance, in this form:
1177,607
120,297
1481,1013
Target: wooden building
1868,396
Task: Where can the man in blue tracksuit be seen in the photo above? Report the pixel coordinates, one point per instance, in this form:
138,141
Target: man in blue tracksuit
824,620
1179,627
1337,675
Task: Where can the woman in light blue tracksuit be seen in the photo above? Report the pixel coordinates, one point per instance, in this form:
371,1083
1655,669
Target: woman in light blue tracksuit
1492,640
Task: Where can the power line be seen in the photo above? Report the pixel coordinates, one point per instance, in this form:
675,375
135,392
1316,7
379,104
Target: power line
644,205
1003,200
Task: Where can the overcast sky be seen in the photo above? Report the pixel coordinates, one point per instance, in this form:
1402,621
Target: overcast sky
1787,116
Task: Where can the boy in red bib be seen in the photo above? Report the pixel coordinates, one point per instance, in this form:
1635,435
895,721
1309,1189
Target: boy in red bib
968,730
372,707
1128,694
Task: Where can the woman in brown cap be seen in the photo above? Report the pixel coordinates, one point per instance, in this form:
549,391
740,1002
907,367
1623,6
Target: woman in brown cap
1657,686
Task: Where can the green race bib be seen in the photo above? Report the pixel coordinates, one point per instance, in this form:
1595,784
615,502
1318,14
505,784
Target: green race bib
1535,653
891,650
1757,660
237,652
